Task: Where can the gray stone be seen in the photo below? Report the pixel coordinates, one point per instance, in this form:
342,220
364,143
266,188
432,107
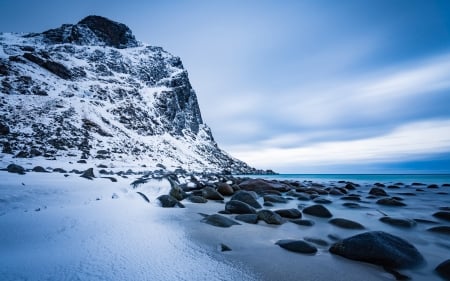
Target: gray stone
345,223
317,211
248,218
219,221
298,246
248,197
270,217
239,207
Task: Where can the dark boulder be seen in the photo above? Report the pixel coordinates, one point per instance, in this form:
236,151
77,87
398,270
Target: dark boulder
400,222
225,189
316,241
4,130
317,211
248,197
390,202
351,198
443,229
15,169
298,246
39,169
443,269
443,215
239,207
377,191
212,194
197,199
168,201
270,217
248,218
289,213
260,185
378,247
344,223
219,220
88,174
274,199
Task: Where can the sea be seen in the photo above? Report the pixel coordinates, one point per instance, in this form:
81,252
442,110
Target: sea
364,178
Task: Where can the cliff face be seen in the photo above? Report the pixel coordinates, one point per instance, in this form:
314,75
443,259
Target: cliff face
91,90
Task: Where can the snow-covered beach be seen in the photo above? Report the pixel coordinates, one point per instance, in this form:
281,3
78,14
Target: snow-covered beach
60,226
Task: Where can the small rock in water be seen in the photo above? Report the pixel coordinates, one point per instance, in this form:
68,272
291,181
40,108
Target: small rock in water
16,169
167,201
197,199
289,213
270,217
351,205
322,201
400,222
318,211
88,174
344,223
316,241
433,186
268,204
210,193
351,198
224,248
274,199
239,207
390,202
248,197
377,191
440,229
248,218
443,269
219,221
298,246
303,222
378,247
443,215
225,189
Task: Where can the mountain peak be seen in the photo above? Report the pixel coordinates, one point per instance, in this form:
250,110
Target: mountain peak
93,30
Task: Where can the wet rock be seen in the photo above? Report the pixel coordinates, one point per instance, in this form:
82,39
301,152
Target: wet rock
15,169
274,199
224,248
168,201
303,197
88,174
351,198
298,246
322,201
400,222
248,218
82,161
289,213
316,241
344,223
210,193
425,221
197,199
248,197
176,191
350,186
440,229
335,191
390,202
225,189
270,217
433,186
219,221
59,170
303,222
377,191
443,269
239,207
317,211
39,169
352,205
380,248
443,215
268,204
260,185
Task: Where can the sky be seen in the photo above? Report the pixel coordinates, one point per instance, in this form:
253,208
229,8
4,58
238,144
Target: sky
298,86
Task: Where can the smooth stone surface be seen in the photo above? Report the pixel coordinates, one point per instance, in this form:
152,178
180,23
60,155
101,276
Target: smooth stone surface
270,217
443,215
377,191
443,269
197,199
400,222
275,199
219,220
16,169
289,213
239,207
390,202
444,229
248,218
298,246
167,201
378,247
212,194
248,197
225,189
303,222
316,241
317,211
345,223
260,185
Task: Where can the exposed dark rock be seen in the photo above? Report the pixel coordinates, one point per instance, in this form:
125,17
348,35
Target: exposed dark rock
212,194
379,248
433,186
317,211
303,222
270,217
248,218
219,220
82,161
400,222
390,202
345,223
260,185
322,201
316,241
225,189
224,248
351,198
298,246
239,207
377,191
39,169
352,205
443,269
289,213
88,174
4,130
16,169
197,199
443,215
168,201
248,197
274,199
444,229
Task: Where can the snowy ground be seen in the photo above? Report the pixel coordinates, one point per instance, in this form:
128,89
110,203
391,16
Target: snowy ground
69,228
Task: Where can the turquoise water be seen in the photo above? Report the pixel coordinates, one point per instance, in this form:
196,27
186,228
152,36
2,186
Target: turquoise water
365,178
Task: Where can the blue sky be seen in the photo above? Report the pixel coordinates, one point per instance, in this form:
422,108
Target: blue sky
299,86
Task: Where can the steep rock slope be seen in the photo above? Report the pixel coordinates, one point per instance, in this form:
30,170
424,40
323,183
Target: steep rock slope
91,90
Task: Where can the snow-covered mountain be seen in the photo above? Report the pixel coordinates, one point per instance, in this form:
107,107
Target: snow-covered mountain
92,91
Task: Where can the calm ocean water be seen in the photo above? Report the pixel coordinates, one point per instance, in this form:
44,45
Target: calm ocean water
365,178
